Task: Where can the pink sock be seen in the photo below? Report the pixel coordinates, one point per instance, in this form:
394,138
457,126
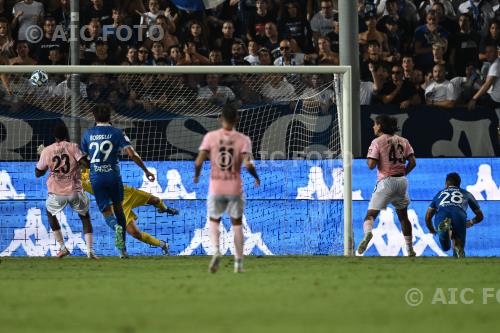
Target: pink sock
213,228
238,241
368,226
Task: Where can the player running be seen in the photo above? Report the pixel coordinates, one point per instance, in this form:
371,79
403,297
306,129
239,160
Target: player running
389,153
133,198
65,186
450,207
103,143
227,149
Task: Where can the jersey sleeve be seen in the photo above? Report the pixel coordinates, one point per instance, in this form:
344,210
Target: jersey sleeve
373,151
434,201
247,146
408,149
205,143
77,153
472,201
123,141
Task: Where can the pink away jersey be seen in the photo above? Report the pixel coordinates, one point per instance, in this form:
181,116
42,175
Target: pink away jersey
226,150
391,152
61,158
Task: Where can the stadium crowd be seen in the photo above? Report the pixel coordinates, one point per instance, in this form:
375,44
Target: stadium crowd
412,52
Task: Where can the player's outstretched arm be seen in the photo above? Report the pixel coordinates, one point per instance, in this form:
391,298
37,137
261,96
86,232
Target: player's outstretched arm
476,219
198,164
251,169
138,160
412,163
428,220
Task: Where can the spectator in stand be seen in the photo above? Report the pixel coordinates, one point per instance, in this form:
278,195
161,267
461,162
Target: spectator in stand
225,43
288,58
49,41
131,56
6,40
93,33
322,22
440,92
191,56
174,55
56,57
224,12
62,15
265,58
489,93
5,12
101,56
404,31
271,39
215,57
27,13
325,55
252,57
63,89
399,91
418,81
197,35
157,52
317,95
278,89
293,24
167,29
258,20
482,14
373,54
238,54
408,67
425,36
333,36
23,57
492,38
438,59
407,11
449,24
97,11
149,18
394,41
368,89
373,34
215,93
467,85
427,5
464,46
143,56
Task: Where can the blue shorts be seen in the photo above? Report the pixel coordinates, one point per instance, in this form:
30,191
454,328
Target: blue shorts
107,191
458,226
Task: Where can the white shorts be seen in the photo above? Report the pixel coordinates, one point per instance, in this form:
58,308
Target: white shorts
78,201
392,190
232,204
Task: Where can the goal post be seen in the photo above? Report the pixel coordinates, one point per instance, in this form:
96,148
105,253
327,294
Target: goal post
341,82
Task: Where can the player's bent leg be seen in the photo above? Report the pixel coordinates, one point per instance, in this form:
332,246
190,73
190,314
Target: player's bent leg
370,217
407,231
162,208
458,233
144,237
56,228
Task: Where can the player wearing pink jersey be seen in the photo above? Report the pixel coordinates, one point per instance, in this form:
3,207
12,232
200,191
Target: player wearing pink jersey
64,185
227,149
389,153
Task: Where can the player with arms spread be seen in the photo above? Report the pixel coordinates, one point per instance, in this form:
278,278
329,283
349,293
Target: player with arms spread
389,153
133,198
103,143
450,207
65,186
227,149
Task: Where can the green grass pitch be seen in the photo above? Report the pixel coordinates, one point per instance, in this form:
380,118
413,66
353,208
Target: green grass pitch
275,294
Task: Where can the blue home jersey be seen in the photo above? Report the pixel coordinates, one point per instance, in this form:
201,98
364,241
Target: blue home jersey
104,144
454,198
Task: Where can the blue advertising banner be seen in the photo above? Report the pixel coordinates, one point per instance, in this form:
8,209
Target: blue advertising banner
297,210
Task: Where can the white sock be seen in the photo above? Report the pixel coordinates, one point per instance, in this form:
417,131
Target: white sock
409,242
238,241
89,241
213,228
59,238
368,225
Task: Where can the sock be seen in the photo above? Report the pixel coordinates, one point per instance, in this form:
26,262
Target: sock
148,239
368,225
120,219
89,240
238,242
213,228
59,238
409,242
111,221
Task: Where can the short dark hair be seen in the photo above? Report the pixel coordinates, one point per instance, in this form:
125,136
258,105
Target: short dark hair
230,113
61,132
388,124
453,179
102,113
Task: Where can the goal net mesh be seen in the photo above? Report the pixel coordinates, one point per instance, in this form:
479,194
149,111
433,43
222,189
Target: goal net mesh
293,121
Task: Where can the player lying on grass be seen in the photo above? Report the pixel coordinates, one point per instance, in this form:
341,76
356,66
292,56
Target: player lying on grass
133,198
227,150
65,186
390,154
450,207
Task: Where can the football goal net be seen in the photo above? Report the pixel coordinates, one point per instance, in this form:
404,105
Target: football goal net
298,118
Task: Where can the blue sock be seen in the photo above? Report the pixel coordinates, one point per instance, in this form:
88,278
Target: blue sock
111,221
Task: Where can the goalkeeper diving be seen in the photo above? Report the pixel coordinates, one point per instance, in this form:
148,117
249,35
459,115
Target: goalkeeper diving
133,198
